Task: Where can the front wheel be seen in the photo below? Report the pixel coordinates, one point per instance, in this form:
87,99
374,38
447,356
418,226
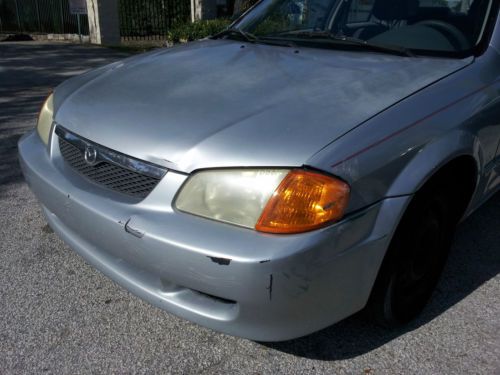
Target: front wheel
414,261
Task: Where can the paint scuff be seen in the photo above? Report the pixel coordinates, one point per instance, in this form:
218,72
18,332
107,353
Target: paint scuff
221,261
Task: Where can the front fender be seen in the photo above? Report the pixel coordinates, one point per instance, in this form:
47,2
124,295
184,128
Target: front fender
432,157
397,151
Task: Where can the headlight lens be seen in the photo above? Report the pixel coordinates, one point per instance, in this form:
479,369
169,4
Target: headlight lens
233,196
268,200
45,119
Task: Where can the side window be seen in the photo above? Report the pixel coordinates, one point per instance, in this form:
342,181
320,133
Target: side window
455,6
360,11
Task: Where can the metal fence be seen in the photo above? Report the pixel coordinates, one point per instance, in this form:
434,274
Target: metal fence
151,19
40,16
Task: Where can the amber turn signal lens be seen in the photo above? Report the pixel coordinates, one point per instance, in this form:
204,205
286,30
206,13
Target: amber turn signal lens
304,201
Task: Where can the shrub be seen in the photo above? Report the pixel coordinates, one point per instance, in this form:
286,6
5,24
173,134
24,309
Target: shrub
196,30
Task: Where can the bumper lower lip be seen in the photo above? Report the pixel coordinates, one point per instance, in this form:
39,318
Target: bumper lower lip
234,280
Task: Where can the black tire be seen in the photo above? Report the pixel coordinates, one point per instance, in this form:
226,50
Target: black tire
415,259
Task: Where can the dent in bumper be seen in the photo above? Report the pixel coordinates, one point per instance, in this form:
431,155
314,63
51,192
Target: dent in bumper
260,286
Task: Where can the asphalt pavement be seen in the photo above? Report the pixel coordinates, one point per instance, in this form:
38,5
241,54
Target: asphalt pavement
59,315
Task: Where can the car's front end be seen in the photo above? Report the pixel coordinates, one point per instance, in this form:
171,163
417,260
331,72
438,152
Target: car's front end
243,282
211,194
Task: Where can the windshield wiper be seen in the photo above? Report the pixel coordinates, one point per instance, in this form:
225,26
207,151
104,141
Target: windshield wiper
343,39
251,38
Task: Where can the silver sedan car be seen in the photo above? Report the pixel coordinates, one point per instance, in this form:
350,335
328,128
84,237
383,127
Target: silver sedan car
310,161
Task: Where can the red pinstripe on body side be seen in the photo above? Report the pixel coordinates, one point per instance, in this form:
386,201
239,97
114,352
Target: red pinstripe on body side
413,124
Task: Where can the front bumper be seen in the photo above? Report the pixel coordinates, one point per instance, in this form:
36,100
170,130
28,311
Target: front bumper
238,281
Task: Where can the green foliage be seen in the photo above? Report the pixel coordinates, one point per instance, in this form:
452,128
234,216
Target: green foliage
248,3
272,25
196,30
241,6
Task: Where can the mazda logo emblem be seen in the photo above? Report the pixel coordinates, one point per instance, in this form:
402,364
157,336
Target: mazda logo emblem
90,155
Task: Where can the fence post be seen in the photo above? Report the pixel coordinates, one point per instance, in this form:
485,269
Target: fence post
62,15
79,28
38,16
17,16
193,10
203,9
104,23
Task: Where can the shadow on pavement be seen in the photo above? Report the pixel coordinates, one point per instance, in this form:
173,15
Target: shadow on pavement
28,72
474,259
9,168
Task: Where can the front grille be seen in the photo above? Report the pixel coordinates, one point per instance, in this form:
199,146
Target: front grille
110,175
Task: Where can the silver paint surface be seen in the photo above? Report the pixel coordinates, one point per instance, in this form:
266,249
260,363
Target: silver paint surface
190,107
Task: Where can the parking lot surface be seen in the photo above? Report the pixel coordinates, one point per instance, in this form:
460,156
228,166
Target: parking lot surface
59,315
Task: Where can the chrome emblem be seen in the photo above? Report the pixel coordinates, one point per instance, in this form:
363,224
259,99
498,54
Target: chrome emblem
90,155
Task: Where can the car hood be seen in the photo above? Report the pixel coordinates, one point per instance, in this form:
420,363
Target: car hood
220,103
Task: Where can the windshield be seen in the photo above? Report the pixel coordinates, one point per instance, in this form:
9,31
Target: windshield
421,26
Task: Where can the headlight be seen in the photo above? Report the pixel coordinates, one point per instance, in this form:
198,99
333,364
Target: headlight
45,119
268,200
